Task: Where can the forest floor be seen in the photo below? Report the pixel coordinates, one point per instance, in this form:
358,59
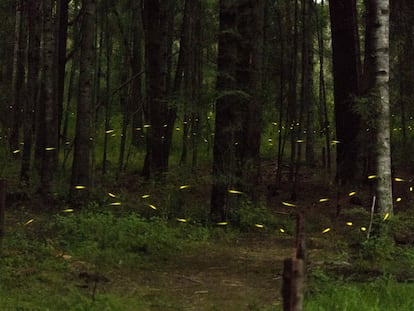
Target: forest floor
234,271
241,275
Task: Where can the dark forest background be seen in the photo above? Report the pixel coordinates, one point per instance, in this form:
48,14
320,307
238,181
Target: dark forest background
156,153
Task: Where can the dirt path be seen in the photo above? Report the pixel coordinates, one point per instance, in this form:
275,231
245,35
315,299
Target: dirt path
243,275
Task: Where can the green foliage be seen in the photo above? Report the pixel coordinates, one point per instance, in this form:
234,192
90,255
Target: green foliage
251,215
377,249
105,237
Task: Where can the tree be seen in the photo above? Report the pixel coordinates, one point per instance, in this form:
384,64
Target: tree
48,145
157,53
379,36
307,96
18,76
226,110
346,74
85,108
238,106
32,85
61,38
136,66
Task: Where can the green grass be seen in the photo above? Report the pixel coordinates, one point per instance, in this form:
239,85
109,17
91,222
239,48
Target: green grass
158,263
378,295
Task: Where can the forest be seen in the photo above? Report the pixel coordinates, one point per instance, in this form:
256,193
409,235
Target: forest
206,155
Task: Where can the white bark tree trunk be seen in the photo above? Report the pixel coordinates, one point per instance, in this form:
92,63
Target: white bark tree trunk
381,96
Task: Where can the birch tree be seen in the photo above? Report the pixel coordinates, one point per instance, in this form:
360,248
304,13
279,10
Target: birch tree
380,98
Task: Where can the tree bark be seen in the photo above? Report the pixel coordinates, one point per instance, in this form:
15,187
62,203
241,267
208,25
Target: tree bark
50,130
236,158
138,139
32,86
156,42
308,99
61,38
226,111
85,108
18,75
346,73
380,97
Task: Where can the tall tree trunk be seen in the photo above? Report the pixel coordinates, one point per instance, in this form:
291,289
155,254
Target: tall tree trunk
49,158
32,86
18,75
308,99
346,73
380,97
325,124
238,106
186,54
107,100
61,38
226,111
138,139
292,115
249,78
156,42
85,109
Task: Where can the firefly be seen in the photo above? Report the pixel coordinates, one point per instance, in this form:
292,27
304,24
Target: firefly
288,204
326,230
223,223
235,191
28,222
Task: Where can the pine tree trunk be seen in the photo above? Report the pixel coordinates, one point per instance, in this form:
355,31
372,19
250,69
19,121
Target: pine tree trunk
32,86
18,75
236,159
138,139
61,38
157,55
50,130
346,73
85,108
